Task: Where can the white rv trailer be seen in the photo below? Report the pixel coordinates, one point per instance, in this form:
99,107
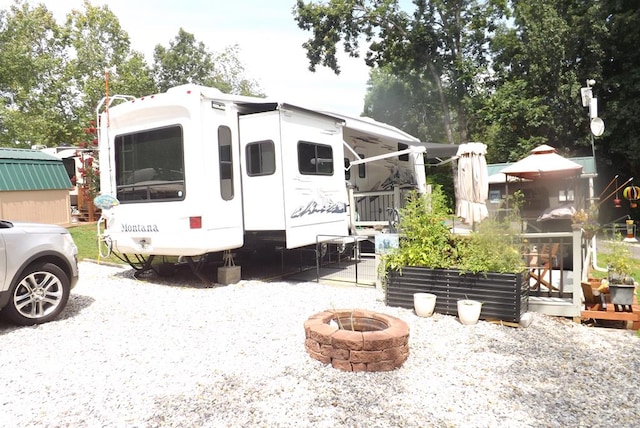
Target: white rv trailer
197,171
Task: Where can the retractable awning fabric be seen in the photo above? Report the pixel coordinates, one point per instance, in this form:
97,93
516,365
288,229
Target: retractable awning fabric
369,130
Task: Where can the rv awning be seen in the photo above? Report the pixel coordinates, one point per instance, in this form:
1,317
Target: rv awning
439,150
368,130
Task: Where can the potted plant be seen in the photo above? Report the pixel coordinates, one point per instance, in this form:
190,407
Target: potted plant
587,221
485,265
621,283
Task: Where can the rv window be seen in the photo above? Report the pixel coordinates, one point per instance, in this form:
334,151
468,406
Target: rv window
226,162
403,147
261,158
315,159
362,169
150,165
347,170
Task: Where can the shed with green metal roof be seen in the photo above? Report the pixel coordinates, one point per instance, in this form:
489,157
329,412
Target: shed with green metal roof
34,186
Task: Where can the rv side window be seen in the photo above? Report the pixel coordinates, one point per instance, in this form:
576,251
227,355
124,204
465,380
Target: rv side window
226,163
362,168
261,158
150,165
403,157
347,170
315,159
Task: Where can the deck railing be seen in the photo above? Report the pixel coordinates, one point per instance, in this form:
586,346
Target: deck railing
378,208
556,262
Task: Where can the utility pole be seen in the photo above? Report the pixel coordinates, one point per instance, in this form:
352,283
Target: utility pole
595,123
596,126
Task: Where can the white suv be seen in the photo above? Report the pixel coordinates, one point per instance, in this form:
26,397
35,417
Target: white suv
38,269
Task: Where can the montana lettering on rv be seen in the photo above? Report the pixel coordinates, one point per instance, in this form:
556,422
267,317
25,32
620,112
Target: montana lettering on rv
139,228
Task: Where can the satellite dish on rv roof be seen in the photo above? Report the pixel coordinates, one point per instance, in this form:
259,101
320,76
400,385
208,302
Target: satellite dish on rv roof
597,126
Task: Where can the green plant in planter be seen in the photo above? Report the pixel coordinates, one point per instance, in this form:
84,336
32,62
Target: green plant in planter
620,281
427,241
619,261
425,237
493,247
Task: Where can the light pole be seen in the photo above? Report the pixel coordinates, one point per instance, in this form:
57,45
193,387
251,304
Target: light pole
595,123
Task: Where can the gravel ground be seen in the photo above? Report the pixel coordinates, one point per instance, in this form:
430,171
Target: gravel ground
158,352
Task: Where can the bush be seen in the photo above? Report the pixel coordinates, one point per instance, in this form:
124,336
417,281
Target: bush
426,240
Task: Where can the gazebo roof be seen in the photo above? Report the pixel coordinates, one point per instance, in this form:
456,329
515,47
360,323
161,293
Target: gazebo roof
543,162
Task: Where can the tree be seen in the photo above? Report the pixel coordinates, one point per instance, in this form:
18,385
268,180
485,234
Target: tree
98,44
34,102
409,105
188,61
441,45
53,76
620,89
134,77
184,61
229,74
539,60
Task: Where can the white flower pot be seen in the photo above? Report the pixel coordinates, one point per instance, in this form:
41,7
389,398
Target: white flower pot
424,304
469,311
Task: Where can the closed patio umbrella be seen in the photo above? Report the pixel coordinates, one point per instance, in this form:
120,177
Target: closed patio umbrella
473,183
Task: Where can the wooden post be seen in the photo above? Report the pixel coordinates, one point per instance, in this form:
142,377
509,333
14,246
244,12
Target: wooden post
91,211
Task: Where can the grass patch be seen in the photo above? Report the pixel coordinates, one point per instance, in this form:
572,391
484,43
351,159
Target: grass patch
603,261
86,239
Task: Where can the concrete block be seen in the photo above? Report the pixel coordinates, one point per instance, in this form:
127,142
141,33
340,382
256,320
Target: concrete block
228,275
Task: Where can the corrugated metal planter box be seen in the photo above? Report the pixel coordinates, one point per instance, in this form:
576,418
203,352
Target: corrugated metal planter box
504,296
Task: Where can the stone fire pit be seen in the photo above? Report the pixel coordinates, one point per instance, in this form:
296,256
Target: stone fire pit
357,340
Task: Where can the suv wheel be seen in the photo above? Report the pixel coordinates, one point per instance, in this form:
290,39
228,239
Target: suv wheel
39,295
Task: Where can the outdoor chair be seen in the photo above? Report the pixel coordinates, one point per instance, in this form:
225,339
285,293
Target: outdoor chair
541,263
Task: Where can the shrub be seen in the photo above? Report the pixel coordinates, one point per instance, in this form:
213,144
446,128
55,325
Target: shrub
426,240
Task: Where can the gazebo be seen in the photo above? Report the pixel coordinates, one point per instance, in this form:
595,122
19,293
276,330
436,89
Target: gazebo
550,183
543,162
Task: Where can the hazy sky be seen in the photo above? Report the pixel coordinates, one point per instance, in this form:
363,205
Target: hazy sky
268,37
